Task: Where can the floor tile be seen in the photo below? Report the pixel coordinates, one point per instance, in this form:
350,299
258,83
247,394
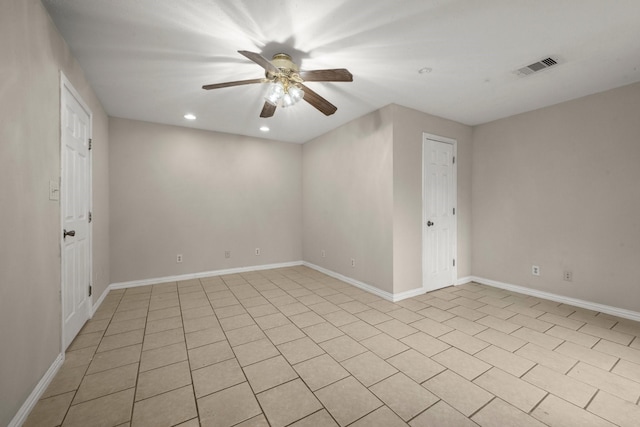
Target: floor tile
462,363
165,409
441,415
499,413
611,383
425,344
437,314
283,334
563,386
464,342
106,382
216,377
300,350
628,370
592,357
255,351
49,412
431,327
322,332
258,421
109,410
228,407
161,380
317,419
368,368
396,329
320,371
458,392
165,324
340,318
415,365
381,417
607,334
115,358
67,379
237,321
244,335
463,325
374,317
163,356
384,346
500,339
262,310
575,337
554,411
288,402
614,409
269,373
403,395
209,354
538,338
342,348
347,400
618,350
513,390
162,339
508,362
121,340
272,321
548,358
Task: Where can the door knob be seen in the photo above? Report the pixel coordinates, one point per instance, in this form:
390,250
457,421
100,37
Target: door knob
429,223
66,233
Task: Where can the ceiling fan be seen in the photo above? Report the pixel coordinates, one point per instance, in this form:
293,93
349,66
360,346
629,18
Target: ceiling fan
286,83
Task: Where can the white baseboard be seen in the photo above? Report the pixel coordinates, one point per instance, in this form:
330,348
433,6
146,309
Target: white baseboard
99,301
614,311
358,284
365,286
166,279
39,389
463,280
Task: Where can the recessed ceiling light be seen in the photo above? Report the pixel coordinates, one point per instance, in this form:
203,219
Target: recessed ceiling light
189,116
264,128
425,70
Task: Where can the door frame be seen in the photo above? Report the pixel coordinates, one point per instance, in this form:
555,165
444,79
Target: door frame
66,89
454,247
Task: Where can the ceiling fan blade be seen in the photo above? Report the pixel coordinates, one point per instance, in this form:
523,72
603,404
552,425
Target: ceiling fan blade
260,60
227,84
336,75
268,110
318,102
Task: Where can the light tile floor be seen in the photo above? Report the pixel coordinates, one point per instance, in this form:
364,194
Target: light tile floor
295,347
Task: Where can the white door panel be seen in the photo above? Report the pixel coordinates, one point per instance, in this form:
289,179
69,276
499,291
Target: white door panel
75,201
438,219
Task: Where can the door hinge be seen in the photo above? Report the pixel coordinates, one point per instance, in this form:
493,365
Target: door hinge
454,211
90,217
454,160
454,262
90,290
90,143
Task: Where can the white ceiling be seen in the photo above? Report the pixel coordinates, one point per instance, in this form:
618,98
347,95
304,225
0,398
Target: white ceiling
147,59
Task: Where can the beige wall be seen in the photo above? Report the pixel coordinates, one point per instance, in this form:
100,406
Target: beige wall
363,197
32,54
199,193
560,188
348,199
408,128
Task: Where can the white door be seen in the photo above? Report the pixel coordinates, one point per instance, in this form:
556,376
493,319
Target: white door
439,223
75,201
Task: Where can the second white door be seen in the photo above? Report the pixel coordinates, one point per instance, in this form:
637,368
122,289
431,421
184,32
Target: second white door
74,201
439,230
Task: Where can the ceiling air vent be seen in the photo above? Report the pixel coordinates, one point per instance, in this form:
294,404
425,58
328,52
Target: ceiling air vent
536,66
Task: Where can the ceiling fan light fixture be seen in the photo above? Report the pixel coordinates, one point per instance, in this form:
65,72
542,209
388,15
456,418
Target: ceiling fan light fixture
287,101
274,93
296,94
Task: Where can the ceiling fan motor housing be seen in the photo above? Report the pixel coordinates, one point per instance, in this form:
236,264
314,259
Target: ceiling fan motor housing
284,63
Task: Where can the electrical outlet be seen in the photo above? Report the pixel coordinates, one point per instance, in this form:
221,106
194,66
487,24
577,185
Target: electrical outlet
257,251
323,254
567,276
353,262
179,258
227,254
535,270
